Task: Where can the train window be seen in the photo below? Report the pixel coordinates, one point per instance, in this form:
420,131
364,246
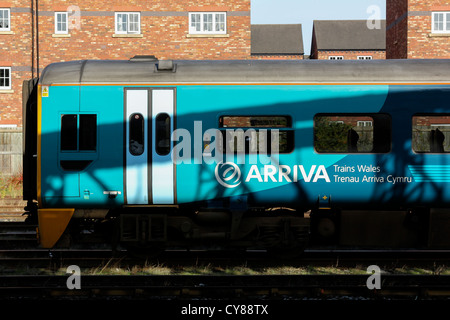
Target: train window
78,133
352,133
69,132
431,133
162,134
88,132
257,134
136,134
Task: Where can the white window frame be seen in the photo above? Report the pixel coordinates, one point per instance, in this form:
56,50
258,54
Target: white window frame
364,57
366,123
8,19
9,78
199,28
66,29
445,22
127,31
335,57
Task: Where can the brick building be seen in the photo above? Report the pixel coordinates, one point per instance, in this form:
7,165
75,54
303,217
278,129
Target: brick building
37,33
16,63
348,40
418,29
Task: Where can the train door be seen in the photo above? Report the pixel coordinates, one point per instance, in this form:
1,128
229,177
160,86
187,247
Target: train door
149,172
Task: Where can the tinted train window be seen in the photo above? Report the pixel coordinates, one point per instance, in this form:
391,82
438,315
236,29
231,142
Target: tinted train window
136,134
78,133
88,132
352,133
69,130
431,133
162,134
257,134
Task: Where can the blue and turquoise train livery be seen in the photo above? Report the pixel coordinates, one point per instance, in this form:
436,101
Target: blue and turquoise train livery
242,153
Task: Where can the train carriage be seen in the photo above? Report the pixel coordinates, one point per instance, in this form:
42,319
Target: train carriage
235,151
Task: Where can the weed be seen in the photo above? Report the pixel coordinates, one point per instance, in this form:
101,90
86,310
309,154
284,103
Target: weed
11,186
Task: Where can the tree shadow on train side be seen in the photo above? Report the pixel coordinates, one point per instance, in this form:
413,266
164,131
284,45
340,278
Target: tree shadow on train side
107,171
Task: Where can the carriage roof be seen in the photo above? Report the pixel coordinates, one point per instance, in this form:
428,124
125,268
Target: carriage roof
246,71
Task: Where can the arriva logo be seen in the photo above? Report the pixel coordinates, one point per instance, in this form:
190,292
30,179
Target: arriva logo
225,172
228,174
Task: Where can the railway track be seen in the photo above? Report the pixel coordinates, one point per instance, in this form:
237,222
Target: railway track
274,287
17,235
11,210
18,242
170,294
18,246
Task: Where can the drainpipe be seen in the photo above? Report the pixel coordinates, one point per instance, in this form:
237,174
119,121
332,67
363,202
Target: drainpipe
37,36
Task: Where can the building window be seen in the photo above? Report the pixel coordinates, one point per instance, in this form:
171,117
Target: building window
364,124
128,23
441,22
336,58
5,20
364,57
61,24
207,23
5,78
352,133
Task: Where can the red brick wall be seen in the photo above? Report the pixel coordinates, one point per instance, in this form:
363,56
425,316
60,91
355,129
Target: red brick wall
422,43
429,120
351,55
352,120
409,29
396,29
164,30
15,52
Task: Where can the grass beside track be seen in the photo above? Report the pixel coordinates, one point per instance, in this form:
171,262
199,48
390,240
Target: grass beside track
115,268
